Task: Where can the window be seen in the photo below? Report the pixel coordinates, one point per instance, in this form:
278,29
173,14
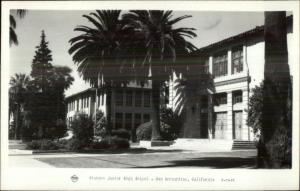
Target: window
138,98
146,118
205,66
87,102
102,99
166,95
220,65
99,98
237,60
119,120
146,99
237,97
128,120
119,98
137,119
220,99
77,105
129,98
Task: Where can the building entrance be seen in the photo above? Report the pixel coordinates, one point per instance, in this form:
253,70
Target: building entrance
237,125
220,125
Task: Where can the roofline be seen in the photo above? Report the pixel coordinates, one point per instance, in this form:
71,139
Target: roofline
78,93
255,31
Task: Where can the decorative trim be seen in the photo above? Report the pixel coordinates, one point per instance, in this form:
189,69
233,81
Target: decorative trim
232,81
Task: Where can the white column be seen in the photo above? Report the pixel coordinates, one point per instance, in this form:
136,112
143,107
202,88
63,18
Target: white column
245,65
90,105
229,62
210,64
228,132
246,131
210,116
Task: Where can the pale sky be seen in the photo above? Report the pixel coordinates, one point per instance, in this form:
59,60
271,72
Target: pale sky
58,26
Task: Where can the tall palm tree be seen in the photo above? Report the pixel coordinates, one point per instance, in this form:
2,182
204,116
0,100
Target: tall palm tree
159,44
96,50
17,96
13,39
276,132
194,82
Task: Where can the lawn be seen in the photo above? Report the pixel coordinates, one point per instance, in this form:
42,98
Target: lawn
216,160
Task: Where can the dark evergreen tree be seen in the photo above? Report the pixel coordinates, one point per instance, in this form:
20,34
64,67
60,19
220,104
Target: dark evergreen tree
41,65
46,105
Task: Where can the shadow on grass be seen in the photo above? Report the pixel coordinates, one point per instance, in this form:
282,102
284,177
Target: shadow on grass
128,151
211,162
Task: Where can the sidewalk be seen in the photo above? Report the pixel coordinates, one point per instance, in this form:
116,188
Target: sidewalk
26,161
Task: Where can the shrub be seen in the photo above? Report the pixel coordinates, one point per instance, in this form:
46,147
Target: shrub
101,124
254,119
62,143
121,133
42,145
171,123
119,143
83,131
103,144
34,145
75,144
144,131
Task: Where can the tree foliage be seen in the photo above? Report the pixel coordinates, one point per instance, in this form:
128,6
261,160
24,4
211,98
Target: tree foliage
17,97
254,119
41,65
140,45
13,38
83,130
44,107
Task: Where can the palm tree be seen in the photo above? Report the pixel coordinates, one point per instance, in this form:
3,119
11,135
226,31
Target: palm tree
96,50
158,45
13,39
276,131
194,82
17,96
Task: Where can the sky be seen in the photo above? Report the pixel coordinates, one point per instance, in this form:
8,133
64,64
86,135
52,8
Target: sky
58,26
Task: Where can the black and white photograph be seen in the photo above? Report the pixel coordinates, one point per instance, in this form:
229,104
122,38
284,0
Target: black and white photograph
147,89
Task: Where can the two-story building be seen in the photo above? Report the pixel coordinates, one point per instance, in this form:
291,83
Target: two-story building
236,65
130,106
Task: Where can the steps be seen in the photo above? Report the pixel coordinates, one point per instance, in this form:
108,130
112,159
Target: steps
203,145
243,145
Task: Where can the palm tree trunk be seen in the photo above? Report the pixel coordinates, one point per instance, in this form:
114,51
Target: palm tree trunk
276,131
17,122
108,109
156,111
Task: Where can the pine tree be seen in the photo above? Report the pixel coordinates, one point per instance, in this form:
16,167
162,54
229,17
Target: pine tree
41,64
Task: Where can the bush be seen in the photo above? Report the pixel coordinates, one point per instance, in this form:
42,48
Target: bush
34,145
113,142
254,119
101,124
144,131
103,144
119,143
121,133
42,145
83,131
171,124
74,144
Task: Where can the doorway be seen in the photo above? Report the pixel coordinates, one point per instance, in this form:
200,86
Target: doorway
237,125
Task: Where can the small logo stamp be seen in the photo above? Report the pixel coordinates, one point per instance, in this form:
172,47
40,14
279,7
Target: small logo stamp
74,178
